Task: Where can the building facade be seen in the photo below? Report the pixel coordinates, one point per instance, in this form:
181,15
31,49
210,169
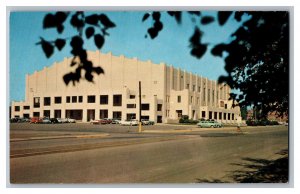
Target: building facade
167,93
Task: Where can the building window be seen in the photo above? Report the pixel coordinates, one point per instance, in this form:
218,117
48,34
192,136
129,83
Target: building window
159,107
208,97
117,100
179,113
203,114
68,99
47,101
215,115
79,98
132,96
145,107
57,100
179,99
117,115
188,86
36,114
91,99
228,116
210,115
17,108
194,88
232,116
192,99
46,113
220,115
74,99
225,106
103,113
204,97
199,89
131,105
224,116
213,96
131,116
221,103
103,99
26,107
36,102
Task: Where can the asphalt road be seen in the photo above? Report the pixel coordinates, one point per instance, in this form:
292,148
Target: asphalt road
128,157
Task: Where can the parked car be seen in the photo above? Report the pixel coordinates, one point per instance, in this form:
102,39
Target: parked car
46,120
69,120
209,123
36,120
131,122
108,121
115,121
61,120
99,121
54,120
147,122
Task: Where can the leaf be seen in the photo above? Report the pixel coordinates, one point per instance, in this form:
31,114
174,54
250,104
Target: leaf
92,19
198,13
199,50
238,15
99,40
218,50
207,20
60,28
158,25
176,15
89,32
61,17
76,42
76,22
60,43
55,21
145,17
196,37
49,21
223,16
98,70
156,15
153,32
47,47
106,21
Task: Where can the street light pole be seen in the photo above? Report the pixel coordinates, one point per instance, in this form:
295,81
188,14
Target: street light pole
140,107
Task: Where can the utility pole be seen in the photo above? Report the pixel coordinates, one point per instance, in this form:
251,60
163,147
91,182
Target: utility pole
140,107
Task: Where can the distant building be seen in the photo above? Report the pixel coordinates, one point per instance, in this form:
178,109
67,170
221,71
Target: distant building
167,93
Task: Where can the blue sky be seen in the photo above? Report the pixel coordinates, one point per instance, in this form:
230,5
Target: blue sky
128,38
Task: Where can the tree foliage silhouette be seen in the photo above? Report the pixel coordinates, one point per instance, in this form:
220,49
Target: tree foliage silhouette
256,60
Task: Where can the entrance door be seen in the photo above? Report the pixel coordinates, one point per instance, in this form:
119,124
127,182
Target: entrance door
90,114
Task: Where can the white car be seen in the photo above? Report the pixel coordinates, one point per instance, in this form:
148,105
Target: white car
61,120
131,122
69,120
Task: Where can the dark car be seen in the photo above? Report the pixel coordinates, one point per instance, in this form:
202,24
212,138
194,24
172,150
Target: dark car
54,120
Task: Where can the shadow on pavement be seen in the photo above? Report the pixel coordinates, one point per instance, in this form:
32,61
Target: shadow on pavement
256,170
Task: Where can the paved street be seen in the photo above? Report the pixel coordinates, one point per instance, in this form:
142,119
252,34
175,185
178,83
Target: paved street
84,153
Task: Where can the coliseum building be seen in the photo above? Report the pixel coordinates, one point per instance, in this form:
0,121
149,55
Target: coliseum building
168,93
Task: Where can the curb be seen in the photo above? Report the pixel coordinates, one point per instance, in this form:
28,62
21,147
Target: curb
58,137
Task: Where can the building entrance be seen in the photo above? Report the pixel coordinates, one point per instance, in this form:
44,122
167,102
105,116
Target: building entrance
90,114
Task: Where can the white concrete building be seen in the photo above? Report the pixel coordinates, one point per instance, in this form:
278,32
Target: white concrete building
167,93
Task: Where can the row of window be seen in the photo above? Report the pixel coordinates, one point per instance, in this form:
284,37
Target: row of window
117,100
